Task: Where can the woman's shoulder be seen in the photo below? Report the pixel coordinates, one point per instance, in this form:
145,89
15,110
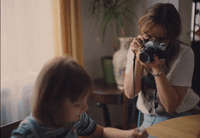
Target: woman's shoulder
185,50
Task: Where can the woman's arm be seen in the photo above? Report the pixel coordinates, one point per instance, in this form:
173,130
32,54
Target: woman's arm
170,96
108,132
172,93
135,48
128,81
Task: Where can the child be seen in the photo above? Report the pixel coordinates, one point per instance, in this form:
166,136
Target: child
59,102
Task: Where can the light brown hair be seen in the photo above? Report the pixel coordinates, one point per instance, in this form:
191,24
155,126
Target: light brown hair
59,79
166,15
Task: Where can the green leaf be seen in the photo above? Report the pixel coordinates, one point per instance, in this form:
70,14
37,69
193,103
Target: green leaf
112,12
128,10
127,17
103,26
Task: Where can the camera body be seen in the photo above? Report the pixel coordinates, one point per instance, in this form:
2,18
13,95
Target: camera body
152,47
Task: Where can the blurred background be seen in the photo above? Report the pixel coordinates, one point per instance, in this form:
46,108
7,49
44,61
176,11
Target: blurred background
29,39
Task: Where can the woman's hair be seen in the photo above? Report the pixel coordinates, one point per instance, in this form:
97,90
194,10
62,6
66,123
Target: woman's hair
166,15
59,79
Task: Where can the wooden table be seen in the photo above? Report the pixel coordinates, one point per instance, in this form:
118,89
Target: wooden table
181,127
105,94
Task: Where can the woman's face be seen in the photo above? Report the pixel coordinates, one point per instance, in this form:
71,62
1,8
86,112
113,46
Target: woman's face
73,110
158,33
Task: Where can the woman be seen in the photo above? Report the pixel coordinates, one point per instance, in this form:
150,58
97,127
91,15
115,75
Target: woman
59,103
162,85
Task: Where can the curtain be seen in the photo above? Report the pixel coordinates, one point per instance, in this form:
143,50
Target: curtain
68,28
27,43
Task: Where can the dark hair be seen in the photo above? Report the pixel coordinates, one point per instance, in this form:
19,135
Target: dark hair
166,15
59,79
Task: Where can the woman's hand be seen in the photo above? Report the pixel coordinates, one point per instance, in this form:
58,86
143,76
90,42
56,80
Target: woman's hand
136,43
141,134
137,47
156,65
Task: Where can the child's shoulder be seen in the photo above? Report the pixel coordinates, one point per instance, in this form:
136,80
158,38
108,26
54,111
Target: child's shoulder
23,130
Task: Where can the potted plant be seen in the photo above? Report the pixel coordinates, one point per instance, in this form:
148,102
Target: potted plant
113,13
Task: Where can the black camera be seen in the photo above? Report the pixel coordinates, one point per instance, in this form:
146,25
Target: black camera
152,47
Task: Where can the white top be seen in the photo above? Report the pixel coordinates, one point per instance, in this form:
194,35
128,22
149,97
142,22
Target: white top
180,74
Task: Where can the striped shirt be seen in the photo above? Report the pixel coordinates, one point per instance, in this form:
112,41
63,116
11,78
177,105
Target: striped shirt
85,126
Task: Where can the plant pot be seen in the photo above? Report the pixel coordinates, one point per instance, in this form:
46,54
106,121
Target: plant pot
119,61
107,67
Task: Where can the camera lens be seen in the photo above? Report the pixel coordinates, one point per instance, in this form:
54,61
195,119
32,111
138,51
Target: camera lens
144,57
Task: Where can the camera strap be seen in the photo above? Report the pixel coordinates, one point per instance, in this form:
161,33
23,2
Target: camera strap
134,99
166,60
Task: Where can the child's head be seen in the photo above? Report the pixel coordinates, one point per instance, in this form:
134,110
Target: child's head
60,83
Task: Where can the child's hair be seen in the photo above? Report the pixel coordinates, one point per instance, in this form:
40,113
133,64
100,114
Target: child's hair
59,79
166,15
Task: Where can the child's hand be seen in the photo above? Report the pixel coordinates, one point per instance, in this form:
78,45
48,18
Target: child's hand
141,134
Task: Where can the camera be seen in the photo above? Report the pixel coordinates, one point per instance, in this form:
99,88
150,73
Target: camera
152,47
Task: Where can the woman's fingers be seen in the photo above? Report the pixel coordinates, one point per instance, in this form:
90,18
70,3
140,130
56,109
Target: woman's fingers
141,37
156,63
136,43
146,36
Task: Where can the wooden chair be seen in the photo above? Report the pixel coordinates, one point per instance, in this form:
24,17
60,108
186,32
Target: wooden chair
109,94
6,130
105,94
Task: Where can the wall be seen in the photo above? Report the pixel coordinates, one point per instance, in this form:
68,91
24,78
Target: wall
185,13
93,51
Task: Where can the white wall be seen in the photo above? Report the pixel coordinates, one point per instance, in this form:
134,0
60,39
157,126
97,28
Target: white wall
92,49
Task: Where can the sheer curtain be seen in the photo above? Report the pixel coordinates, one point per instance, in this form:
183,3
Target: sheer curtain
27,43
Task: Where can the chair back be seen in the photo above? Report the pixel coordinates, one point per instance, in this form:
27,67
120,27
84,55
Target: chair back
6,130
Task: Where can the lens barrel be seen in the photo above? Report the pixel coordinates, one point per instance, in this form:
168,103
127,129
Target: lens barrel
146,56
